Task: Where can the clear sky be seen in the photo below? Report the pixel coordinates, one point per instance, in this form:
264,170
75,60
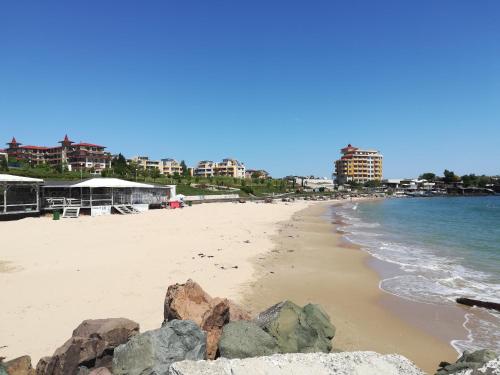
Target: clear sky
280,85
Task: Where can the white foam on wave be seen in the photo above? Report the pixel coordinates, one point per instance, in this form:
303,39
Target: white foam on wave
429,278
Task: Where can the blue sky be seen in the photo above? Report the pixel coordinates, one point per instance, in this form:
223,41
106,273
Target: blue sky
280,85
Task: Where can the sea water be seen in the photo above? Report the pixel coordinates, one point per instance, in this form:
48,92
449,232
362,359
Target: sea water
445,247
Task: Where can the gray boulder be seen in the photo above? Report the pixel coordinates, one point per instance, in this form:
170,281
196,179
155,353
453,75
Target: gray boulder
296,329
152,352
470,363
244,339
347,363
319,320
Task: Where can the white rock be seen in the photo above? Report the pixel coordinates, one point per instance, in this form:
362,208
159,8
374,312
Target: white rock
347,363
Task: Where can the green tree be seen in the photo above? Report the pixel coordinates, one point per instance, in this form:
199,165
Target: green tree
4,166
449,176
184,167
155,173
372,184
428,176
483,180
119,165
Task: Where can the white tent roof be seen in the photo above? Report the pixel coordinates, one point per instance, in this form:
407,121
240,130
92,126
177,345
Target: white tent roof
12,178
110,183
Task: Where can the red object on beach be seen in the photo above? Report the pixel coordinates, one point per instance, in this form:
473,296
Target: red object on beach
174,204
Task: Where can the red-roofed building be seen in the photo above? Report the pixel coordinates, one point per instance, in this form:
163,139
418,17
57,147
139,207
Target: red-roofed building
358,165
75,156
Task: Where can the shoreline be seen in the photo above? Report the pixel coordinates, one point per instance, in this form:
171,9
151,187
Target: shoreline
312,262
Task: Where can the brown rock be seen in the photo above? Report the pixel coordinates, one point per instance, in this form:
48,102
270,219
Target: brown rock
20,366
91,345
100,371
190,302
41,366
214,319
236,312
186,302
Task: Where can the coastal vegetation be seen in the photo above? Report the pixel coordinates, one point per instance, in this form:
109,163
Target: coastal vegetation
467,180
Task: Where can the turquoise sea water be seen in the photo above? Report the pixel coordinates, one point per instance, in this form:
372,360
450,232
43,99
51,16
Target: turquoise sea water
444,247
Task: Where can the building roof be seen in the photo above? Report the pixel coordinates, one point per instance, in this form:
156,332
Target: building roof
348,148
12,178
84,144
29,147
59,183
66,140
13,142
110,183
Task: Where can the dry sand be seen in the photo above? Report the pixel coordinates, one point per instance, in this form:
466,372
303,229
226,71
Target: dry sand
54,274
310,263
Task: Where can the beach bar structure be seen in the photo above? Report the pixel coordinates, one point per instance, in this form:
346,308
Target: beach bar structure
103,196
19,195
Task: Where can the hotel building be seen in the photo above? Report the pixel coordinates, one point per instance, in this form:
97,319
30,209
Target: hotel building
170,167
228,167
75,156
205,168
358,165
231,168
145,163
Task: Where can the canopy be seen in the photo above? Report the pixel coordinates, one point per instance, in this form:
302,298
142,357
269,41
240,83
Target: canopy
12,178
110,183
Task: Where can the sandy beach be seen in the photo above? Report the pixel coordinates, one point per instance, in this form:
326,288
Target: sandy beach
312,263
54,274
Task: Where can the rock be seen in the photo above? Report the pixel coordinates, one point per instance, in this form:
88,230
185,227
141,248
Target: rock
347,363
190,302
475,302
236,312
3,371
19,366
186,302
297,330
82,370
213,321
319,320
244,339
469,363
152,352
91,345
41,367
489,368
100,371
479,356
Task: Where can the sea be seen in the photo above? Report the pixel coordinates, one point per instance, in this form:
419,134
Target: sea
443,248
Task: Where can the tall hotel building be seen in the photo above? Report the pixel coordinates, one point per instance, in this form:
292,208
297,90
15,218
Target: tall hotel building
358,165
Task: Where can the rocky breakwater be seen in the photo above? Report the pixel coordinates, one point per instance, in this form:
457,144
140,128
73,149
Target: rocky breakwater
480,362
190,302
205,335
283,328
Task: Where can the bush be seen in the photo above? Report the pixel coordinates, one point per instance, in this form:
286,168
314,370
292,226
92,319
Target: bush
247,189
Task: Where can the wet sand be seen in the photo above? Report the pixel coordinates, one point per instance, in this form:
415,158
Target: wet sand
312,263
